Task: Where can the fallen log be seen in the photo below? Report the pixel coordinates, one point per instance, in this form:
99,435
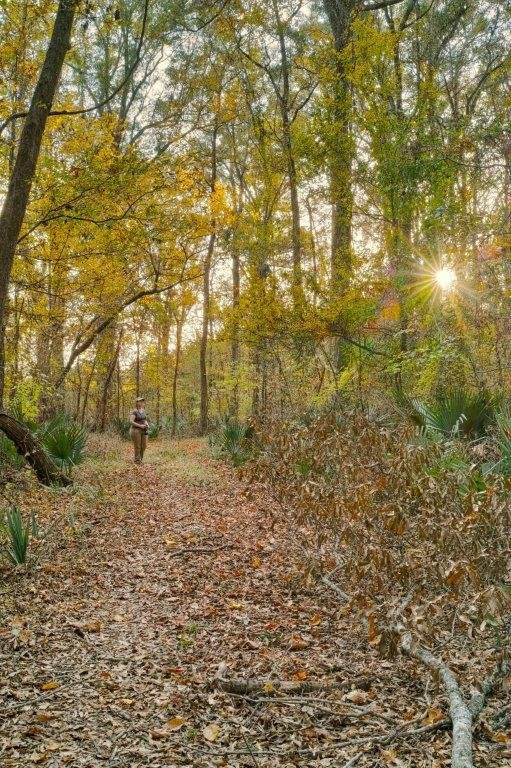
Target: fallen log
32,451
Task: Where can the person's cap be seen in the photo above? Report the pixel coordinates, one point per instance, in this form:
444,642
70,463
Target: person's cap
140,400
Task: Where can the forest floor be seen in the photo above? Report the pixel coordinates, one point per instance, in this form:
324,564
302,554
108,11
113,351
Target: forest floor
162,578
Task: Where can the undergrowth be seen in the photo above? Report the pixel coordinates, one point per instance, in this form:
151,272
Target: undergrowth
400,516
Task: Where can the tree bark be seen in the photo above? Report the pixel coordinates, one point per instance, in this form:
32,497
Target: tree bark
287,141
105,389
20,182
203,374
32,451
235,340
177,362
341,151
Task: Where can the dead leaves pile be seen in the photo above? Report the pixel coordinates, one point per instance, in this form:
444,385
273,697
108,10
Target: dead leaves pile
109,651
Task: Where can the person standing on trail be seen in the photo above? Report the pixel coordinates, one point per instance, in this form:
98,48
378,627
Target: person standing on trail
139,429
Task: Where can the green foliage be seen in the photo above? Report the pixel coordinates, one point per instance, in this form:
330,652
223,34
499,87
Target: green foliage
391,511
233,440
59,421
18,533
8,453
25,406
64,443
122,427
503,442
460,413
153,431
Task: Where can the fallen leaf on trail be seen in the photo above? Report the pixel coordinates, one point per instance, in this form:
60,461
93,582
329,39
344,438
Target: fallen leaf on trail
315,619
49,686
389,755
92,626
119,618
298,643
301,674
235,606
159,734
357,697
256,562
269,688
500,737
433,715
175,723
272,625
211,732
44,717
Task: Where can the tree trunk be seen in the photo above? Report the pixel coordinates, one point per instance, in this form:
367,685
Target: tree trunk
287,141
341,149
32,451
137,367
179,334
105,389
20,182
204,393
86,392
235,340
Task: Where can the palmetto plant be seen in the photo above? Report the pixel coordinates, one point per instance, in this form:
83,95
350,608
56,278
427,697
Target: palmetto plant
233,439
122,427
153,431
459,413
64,442
18,534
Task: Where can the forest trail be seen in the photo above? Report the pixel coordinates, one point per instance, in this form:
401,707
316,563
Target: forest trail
109,655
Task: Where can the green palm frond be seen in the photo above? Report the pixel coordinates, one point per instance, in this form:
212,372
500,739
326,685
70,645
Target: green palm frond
65,443
459,413
233,439
18,533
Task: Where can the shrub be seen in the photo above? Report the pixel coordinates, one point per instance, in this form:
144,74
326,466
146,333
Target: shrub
64,443
503,445
399,520
122,427
459,413
18,533
59,421
8,453
153,431
233,440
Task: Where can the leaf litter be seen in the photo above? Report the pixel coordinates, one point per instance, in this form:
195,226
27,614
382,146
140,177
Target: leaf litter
172,581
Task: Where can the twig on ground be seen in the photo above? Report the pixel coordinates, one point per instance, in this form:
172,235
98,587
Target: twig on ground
197,551
252,685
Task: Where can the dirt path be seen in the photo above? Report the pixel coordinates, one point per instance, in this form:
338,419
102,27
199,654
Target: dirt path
108,652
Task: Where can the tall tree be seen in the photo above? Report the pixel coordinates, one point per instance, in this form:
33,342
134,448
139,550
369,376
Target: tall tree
18,192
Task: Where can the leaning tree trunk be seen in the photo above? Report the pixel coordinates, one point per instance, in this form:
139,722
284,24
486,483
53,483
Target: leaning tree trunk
32,451
18,191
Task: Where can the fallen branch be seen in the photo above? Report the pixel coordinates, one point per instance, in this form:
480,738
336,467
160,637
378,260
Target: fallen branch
197,551
242,687
461,714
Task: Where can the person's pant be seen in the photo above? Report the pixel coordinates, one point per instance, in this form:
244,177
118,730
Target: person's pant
139,439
